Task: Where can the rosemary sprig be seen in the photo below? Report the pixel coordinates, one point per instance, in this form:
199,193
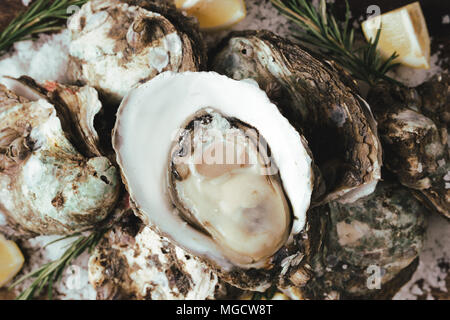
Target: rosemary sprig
322,30
52,272
41,16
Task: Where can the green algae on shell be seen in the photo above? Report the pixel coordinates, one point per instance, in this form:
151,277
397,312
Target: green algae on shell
380,235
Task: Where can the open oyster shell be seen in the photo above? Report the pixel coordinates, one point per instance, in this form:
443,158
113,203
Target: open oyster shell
370,247
337,123
414,131
53,179
246,217
119,44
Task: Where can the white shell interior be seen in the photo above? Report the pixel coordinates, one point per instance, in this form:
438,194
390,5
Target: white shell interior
149,119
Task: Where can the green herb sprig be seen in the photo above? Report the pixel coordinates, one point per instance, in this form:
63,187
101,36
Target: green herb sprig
336,40
41,16
52,272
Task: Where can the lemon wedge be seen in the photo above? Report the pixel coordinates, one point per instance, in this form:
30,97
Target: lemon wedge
11,260
404,31
214,14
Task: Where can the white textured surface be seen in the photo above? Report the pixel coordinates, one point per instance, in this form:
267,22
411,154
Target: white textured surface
2,219
44,59
47,57
434,262
74,284
101,66
413,77
148,277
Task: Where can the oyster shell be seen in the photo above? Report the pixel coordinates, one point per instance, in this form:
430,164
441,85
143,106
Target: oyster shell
119,44
245,215
53,179
414,134
435,99
133,262
318,101
380,235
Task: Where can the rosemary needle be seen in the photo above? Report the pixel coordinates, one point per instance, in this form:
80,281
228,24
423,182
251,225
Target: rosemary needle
51,272
41,16
336,40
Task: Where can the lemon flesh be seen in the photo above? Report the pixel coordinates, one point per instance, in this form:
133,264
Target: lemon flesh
11,260
404,31
214,14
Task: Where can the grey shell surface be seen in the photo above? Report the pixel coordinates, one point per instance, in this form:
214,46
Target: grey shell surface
435,99
414,132
47,184
316,99
119,44
370,248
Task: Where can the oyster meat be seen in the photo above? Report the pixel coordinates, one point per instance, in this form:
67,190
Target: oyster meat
227,177
119,44
319,100
53,179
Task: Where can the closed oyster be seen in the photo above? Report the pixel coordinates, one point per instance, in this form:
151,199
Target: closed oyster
414,134
226,177
318,100
53,179
435,99
370,249
119,44
133,262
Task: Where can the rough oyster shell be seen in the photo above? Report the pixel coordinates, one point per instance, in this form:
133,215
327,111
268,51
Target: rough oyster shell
379,235
52,178
145,162
435,99
133,262
118,44
337,123
415,144
75,106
